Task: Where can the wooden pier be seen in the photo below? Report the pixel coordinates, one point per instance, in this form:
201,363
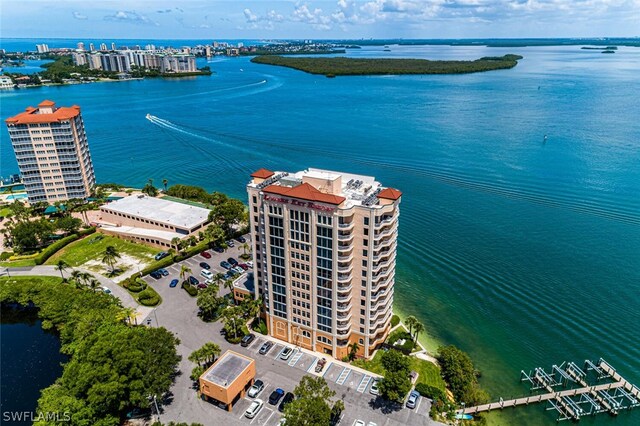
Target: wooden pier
609,397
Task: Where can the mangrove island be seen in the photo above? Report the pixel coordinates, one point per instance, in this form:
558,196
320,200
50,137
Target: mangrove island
335,66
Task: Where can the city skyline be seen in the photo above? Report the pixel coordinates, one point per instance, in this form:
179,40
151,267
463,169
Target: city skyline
322,19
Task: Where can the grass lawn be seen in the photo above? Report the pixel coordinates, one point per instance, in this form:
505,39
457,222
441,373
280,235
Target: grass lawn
16,263
5,211
92,247
428,373
47,280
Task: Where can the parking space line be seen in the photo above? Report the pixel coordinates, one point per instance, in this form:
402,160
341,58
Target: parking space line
315,361
342,379
327,370
295,358
362,388
419,402
281,350
270,415
258,415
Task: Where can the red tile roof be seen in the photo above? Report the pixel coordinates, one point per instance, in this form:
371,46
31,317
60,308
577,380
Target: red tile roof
390,194
30,116
46,103
262,174
305,191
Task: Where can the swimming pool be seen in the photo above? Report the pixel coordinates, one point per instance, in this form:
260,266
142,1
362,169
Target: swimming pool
16,197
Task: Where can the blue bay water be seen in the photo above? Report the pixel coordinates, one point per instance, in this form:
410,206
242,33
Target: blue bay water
522,252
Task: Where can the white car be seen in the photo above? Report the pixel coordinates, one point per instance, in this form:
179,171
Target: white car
207,274
286,353
238,269
255,390
249,263
358,423
372,424
374,387
254,409
106,290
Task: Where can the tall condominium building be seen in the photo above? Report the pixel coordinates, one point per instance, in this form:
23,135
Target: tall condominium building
52,152
324,252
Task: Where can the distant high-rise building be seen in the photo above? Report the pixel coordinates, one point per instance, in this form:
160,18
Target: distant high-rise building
52,152
92,48
240,44
324,254
113,46
215,44
81,46
150,47
42,48
103,47
208,51
79,58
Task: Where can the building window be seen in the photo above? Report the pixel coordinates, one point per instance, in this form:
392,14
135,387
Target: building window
366,221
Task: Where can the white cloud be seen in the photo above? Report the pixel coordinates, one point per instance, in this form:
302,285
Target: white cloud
250,16
130,17
79,16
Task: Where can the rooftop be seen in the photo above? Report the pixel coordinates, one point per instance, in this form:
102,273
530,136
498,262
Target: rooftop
330,187
50,114
227,369
166,236
245,283
160,210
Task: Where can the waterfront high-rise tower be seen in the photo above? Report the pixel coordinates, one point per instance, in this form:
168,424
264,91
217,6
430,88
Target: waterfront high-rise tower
324,253
52,152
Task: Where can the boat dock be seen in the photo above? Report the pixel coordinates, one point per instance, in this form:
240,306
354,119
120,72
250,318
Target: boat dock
573,391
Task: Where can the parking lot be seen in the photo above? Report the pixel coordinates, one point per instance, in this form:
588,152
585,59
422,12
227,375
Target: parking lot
178,313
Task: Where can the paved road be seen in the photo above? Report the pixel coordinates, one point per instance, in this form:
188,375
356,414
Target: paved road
125,298
178,313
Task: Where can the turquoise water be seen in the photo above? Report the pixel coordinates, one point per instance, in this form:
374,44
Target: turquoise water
521,252
16,196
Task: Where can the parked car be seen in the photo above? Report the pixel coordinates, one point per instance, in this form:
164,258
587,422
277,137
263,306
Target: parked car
286,353
255,390
254,409
155,274
193,280
413,376
413,399
230,243
161,255
205,254
243,266
275,396
207,274
202,286
287,399
374,387
266,346
106,290
205,265
320,365
225,265
218,249
372,424
139,413
238,269
232,261
358,423
228,275
250,263
173,283
241,239
164,272
246,340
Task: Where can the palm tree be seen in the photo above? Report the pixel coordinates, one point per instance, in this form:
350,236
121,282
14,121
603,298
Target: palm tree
165,182
175,241
417,328
353,350
77,277
126,314
184,271
228,284
245,248
94,284
61,266
411,321
192,240
110,256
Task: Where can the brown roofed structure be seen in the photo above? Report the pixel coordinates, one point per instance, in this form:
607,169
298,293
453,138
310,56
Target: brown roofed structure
305,191
390,194
46,103
262,174
31,115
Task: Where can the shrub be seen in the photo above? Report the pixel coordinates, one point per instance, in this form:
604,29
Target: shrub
5,255
260,326
87,231
430,392
190,289
148,297
395,320
136,285
53,248
399,335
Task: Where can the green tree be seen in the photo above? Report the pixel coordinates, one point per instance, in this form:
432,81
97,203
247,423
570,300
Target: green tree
228,214
149,189
28,235
68,224
206,355
393,361
312,405
353,350
61,266
176,242
395,385
233,322
417,329
165,182
184,272
110,256
214,234
410,322
94,284
208,302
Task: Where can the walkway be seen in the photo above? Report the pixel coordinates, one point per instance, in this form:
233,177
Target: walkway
125,298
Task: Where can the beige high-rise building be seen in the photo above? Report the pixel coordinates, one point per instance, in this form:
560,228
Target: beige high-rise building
324,252
52,152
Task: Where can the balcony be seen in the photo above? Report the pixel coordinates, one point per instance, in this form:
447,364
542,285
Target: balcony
343,326
387,220
343,307
345,287
345,237
345,269
345,226
385,300
341,316
345,247
383,284
344,299
389,231
384,264
346,258
344,278
381,318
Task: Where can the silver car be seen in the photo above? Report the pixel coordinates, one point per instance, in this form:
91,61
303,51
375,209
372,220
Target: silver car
286,353
255,390
374,387
413,399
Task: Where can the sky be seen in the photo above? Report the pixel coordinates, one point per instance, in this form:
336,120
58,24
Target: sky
328,19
